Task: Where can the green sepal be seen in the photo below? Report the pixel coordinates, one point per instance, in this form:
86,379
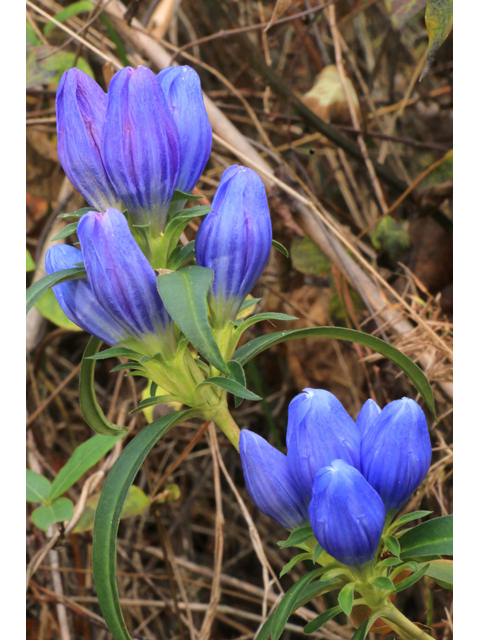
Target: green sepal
38,288
178,196
324,617
227,384
388,562
182,256
66,231
89,406
297,537
76,214
154,400
116,352
294,561
279,247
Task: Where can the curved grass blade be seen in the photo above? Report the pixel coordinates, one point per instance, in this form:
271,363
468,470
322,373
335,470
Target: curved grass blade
107,518
413,371
91,410
233,387
38,288
320,620
288,604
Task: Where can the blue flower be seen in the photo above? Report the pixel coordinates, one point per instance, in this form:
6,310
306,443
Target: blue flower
81,106
181,86
319,431
120,302
396,452
367,416
140,146
235,240
346,514
269,482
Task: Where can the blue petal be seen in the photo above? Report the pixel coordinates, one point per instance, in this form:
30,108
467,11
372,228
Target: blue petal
367,416
123,280
235,238
80,107
77,299
396,452
269,482
319,431
181,86
140,147
346,514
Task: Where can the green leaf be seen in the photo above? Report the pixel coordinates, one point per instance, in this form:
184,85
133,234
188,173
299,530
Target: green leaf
390,236
115,38
294,561
91,410
317,589
297,537
76,214
307,257
238,374
392,545
46,64
30,262
181,257
58,511
429,538
416,375
233,387
324,617
116,352
66,231
136,504
249,302
154,400
109,509
361,632
133,366
288,603
441,571
74,9
345,598
317,552
408,517
83,458
259,317
48,306
38,288
178,196
177,223
383,583
37,487
184,293
439,22
389,562
415,577
279,247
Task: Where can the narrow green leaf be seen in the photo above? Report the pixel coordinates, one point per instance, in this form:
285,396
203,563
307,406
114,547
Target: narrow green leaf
115,38
181,257
247,303
288,602
231,386
383,583
345,598
415,577
297,537
38,288
392,545
153,389
361,632
133,366
58,511
262,316
439,22
91,410
408,517
293,562
441,571
238,374
83,458
37,487
279,247
30,262
109,509
388,562
178,196
184,294
116,352
324,617
429,538
325,585
66,231
317,552
154,400
136,504
416,375
266,630
76,214
74,9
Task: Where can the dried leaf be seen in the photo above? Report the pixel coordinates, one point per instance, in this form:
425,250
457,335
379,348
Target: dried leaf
327,98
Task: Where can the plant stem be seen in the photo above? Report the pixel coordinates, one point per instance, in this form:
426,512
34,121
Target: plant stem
228,425
404,624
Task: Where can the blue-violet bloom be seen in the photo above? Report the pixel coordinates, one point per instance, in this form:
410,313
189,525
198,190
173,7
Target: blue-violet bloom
396,452
81,106
181,86
367,416
235,240
319,431
346,514
140,146
269,482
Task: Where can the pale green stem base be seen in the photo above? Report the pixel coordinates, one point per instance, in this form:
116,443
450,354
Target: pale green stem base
405,627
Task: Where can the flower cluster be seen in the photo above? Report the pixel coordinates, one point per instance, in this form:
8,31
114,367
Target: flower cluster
341,477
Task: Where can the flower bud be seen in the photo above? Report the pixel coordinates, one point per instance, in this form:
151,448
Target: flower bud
367,416
80,106
235,240
346,514
269,482
319,430
181,86
140,146
396,452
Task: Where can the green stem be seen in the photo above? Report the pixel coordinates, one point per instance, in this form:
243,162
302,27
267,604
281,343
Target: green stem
228,425
404,624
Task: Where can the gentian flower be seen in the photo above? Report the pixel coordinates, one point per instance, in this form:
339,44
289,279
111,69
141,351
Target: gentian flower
367,416
346,514
80,106
396,452
319,431
119,303
140,146
235,240
181,86
269,482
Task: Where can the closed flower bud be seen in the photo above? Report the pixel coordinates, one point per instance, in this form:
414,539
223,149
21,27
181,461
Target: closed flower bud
346,514
181,86
367,416
140,146
319,430
269,482
80,106
235,240
396,452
